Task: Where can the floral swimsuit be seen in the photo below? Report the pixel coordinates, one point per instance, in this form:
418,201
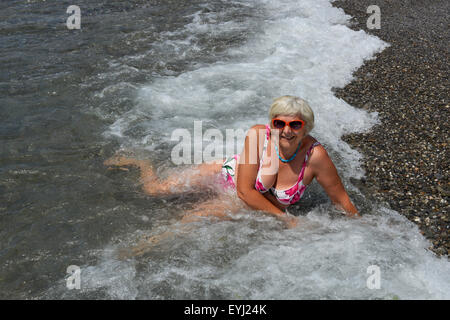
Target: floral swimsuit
285,197
229,171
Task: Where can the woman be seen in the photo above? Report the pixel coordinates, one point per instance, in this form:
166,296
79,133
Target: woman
288,160
279,160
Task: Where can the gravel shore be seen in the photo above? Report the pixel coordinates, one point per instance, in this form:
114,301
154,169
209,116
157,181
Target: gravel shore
406,157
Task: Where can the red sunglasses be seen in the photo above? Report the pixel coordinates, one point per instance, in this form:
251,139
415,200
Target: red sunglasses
294,125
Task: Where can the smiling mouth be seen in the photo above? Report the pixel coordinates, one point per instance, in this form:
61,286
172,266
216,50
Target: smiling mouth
290,138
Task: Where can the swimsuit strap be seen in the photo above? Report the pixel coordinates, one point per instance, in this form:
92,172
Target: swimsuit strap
267,137
265,144
258,184
300,176
310,149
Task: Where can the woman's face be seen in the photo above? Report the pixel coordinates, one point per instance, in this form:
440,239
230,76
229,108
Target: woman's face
288,136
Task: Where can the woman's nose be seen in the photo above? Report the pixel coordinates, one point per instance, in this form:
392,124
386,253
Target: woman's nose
287,131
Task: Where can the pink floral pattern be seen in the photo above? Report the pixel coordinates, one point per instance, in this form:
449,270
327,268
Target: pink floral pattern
228,171
259,186
290,192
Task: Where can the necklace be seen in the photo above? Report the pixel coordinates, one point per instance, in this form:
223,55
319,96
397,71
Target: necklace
291,158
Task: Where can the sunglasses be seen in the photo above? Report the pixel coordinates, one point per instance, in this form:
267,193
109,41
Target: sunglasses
294,125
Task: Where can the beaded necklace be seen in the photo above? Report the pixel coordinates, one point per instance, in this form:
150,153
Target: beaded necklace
291,158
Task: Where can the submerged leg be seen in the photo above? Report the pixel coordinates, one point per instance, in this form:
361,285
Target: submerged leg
143,246
218,208
179,179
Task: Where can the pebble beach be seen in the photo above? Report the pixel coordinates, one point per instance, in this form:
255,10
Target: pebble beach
406,156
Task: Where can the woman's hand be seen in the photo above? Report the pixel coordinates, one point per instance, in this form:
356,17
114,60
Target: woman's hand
290,221
327,176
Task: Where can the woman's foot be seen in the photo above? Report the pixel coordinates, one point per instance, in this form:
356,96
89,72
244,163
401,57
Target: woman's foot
121,161
150,181
144,246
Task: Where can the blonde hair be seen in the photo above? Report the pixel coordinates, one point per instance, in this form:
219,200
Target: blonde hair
293,106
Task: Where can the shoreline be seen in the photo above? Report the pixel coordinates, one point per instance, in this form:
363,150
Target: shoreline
406,158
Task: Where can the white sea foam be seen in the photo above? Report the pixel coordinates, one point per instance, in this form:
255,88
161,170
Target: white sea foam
304,49
254,257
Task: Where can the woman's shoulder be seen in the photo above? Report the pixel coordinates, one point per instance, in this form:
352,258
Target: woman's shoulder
258,127
258,130
257,134
316,150
312,142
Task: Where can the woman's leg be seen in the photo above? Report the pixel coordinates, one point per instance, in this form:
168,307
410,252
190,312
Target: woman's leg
220,208
174,182
179,179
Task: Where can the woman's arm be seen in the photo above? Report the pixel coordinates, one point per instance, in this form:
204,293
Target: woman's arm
247,172
327,176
